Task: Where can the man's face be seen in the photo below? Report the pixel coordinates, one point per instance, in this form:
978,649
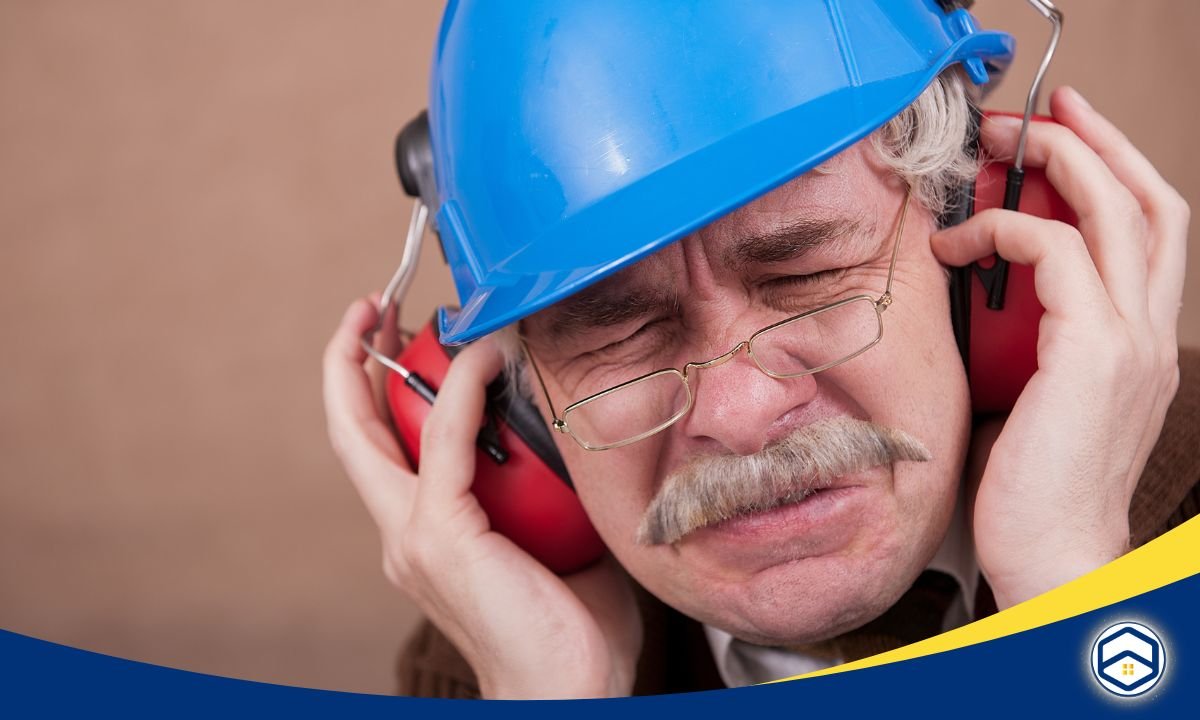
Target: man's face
812,569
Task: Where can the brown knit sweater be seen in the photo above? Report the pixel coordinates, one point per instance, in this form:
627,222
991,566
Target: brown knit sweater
676,655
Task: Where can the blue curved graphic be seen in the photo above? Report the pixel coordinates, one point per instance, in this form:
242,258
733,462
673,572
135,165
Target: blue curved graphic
42,679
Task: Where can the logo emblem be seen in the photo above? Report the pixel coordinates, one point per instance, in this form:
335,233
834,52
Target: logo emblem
1128,659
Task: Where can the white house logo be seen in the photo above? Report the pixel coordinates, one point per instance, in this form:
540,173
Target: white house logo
1128,659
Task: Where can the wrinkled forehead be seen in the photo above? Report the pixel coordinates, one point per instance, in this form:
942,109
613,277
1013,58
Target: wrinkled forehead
832,206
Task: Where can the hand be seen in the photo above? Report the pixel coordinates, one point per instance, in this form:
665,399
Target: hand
1053,502
525,631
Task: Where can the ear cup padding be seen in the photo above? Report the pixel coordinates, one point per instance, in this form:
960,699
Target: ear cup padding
524,419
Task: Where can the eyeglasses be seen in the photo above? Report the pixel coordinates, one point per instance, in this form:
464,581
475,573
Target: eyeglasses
800,345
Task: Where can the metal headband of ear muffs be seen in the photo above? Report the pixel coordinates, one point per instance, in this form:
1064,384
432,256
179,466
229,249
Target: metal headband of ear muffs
962,202
397,288
414,165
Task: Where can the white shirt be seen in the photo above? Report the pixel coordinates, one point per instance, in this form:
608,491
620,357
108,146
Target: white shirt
741,663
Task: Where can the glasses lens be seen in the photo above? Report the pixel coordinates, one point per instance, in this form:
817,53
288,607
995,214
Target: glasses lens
814,342
629,411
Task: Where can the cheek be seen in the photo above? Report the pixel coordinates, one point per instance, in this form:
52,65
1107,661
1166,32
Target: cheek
930,390
914,379
615,486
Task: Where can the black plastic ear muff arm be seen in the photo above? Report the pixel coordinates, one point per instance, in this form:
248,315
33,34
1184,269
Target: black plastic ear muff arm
488,439
995,278
420,387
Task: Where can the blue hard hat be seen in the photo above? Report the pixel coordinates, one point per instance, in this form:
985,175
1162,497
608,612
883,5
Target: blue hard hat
572,138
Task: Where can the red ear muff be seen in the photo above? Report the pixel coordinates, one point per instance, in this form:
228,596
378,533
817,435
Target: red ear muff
1003,343
528,498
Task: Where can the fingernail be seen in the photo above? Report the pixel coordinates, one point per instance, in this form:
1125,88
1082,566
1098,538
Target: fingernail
1079,98
1004,121
354,309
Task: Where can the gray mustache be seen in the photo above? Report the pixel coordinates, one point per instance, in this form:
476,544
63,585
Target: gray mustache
713,488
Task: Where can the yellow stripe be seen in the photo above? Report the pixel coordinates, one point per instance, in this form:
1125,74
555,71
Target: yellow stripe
1169,558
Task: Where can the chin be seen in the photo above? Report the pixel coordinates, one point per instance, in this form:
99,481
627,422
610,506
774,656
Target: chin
813,599
810,598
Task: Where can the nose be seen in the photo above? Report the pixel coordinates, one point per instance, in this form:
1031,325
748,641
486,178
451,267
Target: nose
738,406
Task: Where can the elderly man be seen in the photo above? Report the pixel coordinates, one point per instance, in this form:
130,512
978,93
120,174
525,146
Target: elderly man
740,325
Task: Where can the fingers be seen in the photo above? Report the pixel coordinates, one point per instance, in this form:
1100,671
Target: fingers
407,508
387,342
1129,165
1167,212
1110,218
362,441
1064,277
448,436
343,360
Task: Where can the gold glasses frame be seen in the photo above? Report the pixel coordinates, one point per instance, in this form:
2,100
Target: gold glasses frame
880,304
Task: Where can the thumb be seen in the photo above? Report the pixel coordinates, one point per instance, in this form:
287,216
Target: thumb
448,436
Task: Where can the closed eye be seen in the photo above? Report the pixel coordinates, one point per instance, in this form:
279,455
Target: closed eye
646,331
805,280
794,293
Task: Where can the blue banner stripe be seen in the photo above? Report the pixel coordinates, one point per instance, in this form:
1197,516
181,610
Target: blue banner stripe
1045,670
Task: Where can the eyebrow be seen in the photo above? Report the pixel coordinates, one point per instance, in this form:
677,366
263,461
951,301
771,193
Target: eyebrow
790,242
606,305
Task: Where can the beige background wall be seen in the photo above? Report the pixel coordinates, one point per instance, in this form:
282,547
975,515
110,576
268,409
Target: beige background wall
190,193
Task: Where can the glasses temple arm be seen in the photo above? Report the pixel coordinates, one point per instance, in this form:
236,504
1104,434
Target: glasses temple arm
896,248
558,423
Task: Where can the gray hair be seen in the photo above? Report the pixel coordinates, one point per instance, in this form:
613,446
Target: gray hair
925,145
